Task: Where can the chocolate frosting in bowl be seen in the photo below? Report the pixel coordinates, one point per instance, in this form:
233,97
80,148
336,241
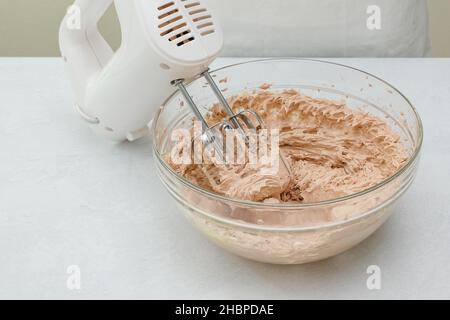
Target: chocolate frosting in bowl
332,150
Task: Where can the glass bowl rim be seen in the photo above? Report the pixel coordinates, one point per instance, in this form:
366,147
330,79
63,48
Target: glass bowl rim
272,206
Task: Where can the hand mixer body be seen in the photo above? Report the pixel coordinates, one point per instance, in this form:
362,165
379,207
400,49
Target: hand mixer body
119,93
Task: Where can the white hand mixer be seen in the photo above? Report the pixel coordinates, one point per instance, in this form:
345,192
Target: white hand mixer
165,43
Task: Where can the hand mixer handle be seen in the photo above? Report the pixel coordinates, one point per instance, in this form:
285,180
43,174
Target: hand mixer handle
120,92
83,48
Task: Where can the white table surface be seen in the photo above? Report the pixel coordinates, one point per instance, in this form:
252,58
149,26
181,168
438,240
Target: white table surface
70,198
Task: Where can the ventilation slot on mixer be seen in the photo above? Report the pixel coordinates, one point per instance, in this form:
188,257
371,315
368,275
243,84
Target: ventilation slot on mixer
169,13
179,35
190,5
173,29
185,41
197,11
166,23
201,18
165,6
179,26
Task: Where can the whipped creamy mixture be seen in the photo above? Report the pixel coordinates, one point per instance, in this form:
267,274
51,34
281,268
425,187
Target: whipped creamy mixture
332,150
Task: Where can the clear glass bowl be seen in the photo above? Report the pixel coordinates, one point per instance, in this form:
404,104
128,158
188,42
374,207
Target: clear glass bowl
286,233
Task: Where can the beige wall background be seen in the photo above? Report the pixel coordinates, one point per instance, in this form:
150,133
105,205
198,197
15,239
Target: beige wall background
30,27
